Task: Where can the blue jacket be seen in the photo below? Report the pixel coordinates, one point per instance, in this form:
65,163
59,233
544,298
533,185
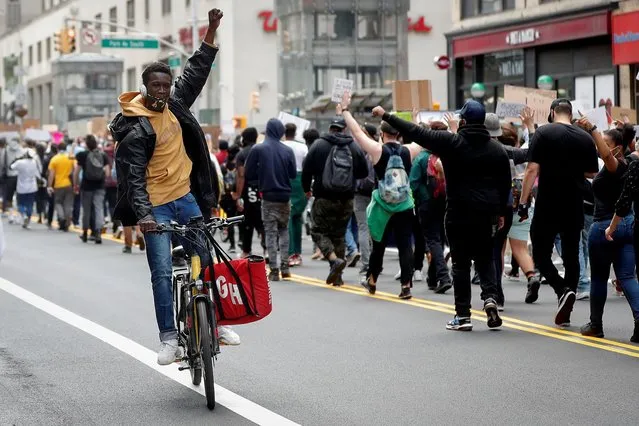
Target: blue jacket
272,164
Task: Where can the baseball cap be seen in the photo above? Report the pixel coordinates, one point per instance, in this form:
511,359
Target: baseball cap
338,122
371,130
473,112
556,103
493,125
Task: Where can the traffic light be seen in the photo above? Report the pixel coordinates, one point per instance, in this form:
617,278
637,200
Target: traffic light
239,122
255,101
64,40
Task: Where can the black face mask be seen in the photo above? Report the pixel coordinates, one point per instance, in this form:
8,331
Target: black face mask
155,104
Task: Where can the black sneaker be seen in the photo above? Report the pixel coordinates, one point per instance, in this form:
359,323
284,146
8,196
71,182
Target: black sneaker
98,239
338,282
533,289
337,266
368,285
492,312
274,275
460,324
286,273
405,293
443,287
592,330
84,236
566,302
635,335
126,250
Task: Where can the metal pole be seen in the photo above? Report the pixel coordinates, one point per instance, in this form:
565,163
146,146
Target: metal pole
195,35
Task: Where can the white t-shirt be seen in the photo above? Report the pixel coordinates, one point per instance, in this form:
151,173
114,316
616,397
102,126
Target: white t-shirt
28,170
300,150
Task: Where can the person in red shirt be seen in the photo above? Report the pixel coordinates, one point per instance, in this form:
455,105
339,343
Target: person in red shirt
223,154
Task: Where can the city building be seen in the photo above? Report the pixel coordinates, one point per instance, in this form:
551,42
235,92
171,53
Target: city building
566,45
243,82
370,42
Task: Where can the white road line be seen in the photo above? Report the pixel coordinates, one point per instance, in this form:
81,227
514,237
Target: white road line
242,406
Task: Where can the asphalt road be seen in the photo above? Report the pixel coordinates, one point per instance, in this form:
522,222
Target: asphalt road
324,356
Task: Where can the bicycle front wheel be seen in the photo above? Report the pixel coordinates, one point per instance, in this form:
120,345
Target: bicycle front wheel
206,353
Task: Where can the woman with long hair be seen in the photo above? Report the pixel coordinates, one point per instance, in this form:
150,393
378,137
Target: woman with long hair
611,236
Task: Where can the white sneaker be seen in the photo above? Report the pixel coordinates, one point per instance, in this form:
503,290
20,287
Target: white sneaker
227,336
582,295
398,275
418,276
169,352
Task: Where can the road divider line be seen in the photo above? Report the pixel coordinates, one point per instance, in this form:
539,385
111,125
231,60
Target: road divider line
234,402
514,323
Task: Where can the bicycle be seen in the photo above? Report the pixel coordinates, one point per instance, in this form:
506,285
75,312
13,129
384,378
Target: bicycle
193,303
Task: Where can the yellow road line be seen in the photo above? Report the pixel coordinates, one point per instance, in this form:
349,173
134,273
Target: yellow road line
509,322
514,323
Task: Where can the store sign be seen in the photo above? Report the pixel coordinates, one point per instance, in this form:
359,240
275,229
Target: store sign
553,31
625,38
269,21
515,38
419,26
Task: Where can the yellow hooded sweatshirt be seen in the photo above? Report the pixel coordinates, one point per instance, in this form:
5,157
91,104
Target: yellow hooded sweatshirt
169,170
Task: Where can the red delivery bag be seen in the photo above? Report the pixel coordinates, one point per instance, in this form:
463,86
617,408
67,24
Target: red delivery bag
241,291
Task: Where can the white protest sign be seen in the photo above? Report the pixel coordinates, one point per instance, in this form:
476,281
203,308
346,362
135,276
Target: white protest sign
341,85
430,116
301,124
598,117
579,107
538,100
37,135
509,109
227,128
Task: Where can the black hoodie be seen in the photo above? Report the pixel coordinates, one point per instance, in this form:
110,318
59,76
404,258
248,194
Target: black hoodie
316,160
477,168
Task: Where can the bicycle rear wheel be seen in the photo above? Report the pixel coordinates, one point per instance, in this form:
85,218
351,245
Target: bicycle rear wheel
205,349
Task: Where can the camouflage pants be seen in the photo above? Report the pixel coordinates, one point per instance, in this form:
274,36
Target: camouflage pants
275,217
330,218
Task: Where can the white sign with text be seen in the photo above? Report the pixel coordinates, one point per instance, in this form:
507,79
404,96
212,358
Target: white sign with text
341,85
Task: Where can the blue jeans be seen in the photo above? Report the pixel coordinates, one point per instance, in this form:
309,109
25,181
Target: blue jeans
158,253
25,203
584,279
351,242
619,253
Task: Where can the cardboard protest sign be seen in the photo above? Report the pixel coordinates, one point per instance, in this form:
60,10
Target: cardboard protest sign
411,94
509,109
619,113
341,85
301,124
537,100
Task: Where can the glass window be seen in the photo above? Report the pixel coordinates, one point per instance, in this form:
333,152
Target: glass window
75,82
166,7
98,26
470,8
39,51
130,13
369,27
131,79
147,10
390,26
113,17
338,26
31,55
503,65
47,48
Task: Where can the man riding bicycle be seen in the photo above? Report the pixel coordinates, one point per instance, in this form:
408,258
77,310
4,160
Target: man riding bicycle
165,174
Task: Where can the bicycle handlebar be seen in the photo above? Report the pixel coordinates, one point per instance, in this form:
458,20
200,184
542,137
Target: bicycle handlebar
214,223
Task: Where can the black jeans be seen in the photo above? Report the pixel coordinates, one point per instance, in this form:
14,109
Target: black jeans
421,246
543,231
432,218
252,222
500,240
472,239
401,225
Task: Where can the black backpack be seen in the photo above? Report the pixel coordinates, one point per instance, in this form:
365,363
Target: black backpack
94,166
338,170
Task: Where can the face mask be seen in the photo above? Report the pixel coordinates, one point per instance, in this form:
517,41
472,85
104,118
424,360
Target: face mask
155,104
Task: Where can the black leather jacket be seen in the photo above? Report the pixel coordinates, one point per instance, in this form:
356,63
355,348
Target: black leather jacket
136,144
